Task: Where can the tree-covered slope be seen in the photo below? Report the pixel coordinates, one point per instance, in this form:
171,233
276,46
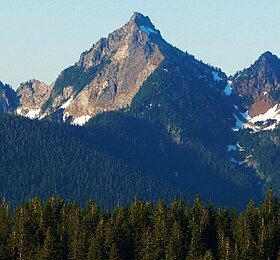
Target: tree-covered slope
261,152
115,158
41,159
184,97
8,98
196,114
193,166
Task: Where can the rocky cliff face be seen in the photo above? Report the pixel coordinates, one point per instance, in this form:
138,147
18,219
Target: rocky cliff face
257,84
32,95
258,88
109,75
8,98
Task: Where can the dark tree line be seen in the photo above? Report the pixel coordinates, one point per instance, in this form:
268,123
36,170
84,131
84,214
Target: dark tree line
115,158
262,151
55,229
42,159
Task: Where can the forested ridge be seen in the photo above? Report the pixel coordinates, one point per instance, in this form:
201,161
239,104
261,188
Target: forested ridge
54,229
115,158
261,152
43,158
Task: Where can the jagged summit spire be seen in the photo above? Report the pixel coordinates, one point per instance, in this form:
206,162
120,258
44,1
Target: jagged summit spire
269,62
268,56
144,23
140,18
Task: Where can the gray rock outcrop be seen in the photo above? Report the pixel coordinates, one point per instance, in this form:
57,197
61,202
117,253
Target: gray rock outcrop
32,96
109,75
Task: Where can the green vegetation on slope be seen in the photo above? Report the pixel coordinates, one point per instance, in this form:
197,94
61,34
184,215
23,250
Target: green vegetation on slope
57,230
115,158
41,159
262,150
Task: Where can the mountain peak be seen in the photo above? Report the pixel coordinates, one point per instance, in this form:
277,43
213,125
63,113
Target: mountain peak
270,64
267,54
139,18
39,91
268,57
259,84
137,15
144,23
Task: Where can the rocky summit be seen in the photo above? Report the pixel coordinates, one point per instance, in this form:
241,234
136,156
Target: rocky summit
32,95
258,89
257,84
109,74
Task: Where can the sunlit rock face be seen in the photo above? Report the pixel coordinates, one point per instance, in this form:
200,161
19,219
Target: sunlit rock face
108,75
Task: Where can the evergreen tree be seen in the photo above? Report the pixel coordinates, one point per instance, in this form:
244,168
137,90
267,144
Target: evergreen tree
114,253
147,245
208,256
58,230
176,245
197,224
97,248
50,248
5,230
160,235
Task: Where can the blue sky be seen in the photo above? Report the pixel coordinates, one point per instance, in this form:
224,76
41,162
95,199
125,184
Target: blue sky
39,38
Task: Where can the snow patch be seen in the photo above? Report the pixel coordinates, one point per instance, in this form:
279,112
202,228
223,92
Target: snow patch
42,116
261,122
67,103
245,115
240,120
19,111
33,113
231,147
272,113
264,93
216,76
240,148
233,161
147,30
81,120
238,123
228,88
234,147
65,116
271,127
